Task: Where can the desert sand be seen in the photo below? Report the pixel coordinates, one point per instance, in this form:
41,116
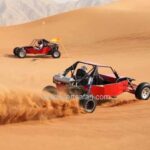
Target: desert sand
117,34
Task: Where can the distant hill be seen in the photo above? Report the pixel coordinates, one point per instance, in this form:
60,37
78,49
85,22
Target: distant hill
21,11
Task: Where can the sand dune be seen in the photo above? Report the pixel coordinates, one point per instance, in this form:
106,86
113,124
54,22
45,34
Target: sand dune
95,26
117,34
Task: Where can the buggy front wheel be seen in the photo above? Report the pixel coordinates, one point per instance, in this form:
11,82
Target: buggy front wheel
56,54
143,91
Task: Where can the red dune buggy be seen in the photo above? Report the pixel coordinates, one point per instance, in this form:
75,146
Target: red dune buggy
94,82
38,46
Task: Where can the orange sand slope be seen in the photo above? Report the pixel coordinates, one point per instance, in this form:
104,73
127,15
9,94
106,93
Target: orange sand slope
117,34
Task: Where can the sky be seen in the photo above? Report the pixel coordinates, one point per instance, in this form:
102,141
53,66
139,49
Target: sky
61,1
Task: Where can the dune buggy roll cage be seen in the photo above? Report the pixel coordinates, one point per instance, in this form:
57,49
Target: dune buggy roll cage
93,70
36,40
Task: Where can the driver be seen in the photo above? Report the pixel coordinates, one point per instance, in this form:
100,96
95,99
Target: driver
81,72
40,45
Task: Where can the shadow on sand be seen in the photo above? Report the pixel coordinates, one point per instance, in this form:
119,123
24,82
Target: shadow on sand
29,56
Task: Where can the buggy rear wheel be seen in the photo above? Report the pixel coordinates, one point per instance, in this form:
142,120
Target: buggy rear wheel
15,51
21,53
56,54
76,91
89,105
143,91
51,90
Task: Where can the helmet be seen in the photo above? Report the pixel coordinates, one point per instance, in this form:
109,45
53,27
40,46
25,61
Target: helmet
84,68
